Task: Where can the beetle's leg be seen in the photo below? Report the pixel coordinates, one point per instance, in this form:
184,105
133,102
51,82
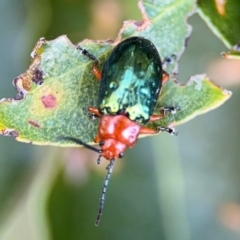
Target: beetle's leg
95,70
168,60
163,111
146,130
154,118
88,54
172,110
97,139
92,116
169,130
94,111
165,77
165,62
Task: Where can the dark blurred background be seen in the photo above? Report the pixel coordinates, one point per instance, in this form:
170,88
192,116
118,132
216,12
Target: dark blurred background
171,188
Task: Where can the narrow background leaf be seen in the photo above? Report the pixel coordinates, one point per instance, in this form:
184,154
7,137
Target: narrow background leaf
223,19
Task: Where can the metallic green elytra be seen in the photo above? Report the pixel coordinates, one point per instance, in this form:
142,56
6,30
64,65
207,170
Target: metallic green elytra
131,80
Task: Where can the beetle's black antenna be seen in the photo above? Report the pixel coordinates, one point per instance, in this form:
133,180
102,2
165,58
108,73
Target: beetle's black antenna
104,189
88,54
78,141
99,159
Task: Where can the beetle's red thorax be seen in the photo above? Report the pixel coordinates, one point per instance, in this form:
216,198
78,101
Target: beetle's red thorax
120,128
117,132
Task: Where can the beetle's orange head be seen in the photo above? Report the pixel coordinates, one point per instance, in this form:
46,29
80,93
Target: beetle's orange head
112,149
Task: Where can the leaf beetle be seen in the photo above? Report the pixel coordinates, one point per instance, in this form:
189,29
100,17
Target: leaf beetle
130,83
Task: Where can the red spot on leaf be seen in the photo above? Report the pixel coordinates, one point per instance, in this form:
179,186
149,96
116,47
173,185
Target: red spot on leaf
34,123
49,101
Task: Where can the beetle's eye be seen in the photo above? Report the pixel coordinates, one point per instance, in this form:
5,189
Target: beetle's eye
121,155
101,143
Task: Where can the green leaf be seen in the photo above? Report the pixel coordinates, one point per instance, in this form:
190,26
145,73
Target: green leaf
164,23
58,87
59,105
234,53
222,17
199,95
